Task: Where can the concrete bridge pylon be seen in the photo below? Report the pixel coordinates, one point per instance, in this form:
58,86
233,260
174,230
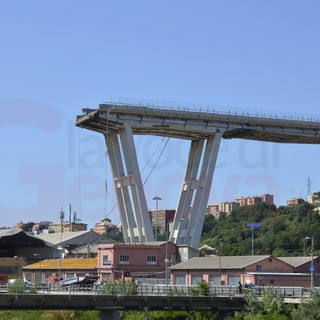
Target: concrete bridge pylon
119,123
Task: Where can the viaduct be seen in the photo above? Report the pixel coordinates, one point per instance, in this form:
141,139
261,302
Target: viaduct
119,122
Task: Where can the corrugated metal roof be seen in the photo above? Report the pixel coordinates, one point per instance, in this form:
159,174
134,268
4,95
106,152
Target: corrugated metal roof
72,263
296,261
55,238
216,262
9,232
21,239
84,249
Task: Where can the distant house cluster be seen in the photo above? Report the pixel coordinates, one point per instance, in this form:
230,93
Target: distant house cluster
313,198
47,227
225,208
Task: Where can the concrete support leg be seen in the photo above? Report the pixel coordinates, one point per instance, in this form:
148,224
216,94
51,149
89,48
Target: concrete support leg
195,192
182,213
200,203
121,183
222,315
109,315
132,203
137,192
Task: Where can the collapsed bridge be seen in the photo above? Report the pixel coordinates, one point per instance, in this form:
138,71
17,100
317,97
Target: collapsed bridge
119,122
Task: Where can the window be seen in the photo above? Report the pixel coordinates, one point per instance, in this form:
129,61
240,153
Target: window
151,275
105,260
233,280
195,278
151,260
124,259
28,276
215,280
180,279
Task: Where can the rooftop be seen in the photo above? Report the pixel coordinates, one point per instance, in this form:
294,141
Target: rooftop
73,263
217,262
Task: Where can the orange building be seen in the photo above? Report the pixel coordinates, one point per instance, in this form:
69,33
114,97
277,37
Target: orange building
294,202
250,201
48,270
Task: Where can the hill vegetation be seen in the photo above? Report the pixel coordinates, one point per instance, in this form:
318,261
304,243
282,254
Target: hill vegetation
283,231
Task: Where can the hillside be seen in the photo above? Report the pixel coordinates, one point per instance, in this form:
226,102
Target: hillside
282,233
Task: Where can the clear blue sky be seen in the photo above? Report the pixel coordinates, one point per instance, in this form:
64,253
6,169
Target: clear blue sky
58,57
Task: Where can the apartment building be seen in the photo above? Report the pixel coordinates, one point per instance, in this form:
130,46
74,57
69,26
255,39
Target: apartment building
216,209
294,202
253,200
160,219
104,226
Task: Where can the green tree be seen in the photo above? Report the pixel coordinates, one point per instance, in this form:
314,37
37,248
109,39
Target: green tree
118,288
309,310
282,232
167,315
202,288
270,306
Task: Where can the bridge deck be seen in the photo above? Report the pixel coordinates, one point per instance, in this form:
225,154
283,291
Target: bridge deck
185,124
114,302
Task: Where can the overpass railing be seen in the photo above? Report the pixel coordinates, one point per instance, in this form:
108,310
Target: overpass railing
209,108
154,290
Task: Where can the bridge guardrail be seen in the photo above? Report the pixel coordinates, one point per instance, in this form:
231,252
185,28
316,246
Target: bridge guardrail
161,289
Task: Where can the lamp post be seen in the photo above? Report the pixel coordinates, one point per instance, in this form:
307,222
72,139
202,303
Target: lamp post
157,198
311,262
16,258
253,226
166,260
61,216
39,255
220,254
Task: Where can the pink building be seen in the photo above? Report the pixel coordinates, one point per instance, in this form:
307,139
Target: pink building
147,260
259,270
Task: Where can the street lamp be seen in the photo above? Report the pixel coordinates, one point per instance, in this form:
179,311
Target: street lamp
166,260
39,255
157,198
19,270
61,216
311,263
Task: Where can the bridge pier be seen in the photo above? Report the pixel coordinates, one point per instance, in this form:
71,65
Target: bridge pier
109,315
189,219
136,224
225,314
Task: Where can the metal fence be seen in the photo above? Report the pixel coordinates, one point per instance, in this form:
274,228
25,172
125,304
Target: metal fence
154,289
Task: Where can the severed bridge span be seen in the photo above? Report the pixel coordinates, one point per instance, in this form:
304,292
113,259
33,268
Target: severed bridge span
119,122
